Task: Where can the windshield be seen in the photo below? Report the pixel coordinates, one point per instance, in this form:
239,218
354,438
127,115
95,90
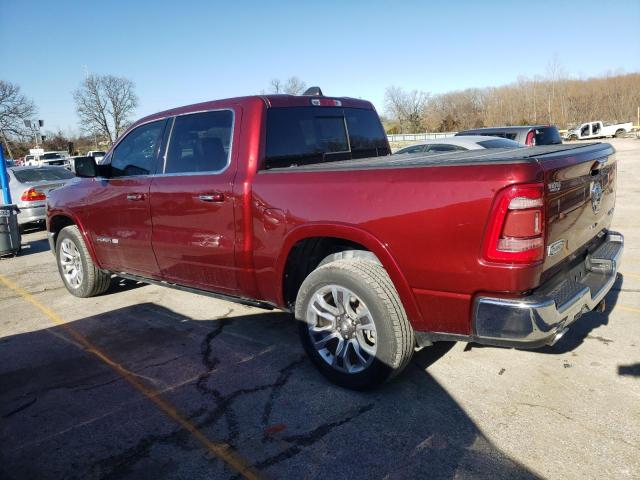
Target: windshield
40,174
304,135
50,156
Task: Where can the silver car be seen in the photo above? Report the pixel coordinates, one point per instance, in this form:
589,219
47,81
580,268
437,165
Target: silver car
459,144
29,187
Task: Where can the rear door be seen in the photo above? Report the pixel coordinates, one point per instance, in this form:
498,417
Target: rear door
118,217
192,203
581,192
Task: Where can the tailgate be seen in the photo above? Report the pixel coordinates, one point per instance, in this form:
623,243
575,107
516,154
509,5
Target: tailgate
581,194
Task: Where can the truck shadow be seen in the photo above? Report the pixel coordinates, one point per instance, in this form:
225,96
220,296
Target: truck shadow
239,380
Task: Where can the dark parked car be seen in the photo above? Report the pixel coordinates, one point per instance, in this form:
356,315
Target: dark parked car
529,135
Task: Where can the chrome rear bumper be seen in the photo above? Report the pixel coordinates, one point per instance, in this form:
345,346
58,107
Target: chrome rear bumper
541,318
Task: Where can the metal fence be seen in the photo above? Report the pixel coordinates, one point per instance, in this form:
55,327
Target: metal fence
416,137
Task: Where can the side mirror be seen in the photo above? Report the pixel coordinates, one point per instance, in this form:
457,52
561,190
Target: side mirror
85,167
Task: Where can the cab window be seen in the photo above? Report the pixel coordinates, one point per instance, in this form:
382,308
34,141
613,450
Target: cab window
200,142
136,153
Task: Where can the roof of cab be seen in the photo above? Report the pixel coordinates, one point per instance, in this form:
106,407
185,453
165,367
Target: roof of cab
270,101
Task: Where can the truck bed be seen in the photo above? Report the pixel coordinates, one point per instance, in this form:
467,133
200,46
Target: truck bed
475,157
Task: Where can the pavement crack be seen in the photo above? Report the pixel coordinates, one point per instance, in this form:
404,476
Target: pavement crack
280,382
545,407
164,362
22,407
307,439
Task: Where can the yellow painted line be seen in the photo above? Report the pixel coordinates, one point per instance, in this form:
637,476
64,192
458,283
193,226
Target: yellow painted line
627,309
221,450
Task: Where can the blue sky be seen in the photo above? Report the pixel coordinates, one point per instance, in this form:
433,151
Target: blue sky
180,52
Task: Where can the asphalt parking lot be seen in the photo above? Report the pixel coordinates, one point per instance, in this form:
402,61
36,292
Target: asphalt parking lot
147,382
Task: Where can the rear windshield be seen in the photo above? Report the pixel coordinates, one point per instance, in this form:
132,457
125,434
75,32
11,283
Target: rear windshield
304,135
499,143
40,174
547,136
49,156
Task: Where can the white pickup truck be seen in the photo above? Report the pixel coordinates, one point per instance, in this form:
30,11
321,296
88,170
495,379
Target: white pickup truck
599,130
41,158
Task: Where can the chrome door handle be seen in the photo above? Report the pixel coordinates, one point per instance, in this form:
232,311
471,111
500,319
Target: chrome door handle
135,197
211,197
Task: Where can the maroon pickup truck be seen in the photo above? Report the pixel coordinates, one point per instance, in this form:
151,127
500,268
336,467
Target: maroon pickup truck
294,202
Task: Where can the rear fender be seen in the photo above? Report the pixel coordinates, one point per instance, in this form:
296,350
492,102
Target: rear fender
356,235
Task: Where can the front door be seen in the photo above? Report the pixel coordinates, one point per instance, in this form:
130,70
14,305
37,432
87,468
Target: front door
192,203
119,218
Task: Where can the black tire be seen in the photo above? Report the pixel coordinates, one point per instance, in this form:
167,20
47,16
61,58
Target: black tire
573,137
394,336
94,280
619,133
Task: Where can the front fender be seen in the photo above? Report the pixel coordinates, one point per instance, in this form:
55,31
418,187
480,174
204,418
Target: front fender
57,212
356,235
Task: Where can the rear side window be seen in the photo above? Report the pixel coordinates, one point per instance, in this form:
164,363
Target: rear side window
499,143
548,136
136,153
40,174
200,142
443,147
304,135
413,149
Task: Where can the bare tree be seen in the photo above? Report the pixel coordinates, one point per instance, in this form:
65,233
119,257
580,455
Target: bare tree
15,108
292,86
104,104
275,86
407,107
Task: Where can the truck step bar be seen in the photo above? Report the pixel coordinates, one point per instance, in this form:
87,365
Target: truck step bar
221,296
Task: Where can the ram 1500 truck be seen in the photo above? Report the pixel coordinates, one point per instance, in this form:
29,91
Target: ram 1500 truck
294,202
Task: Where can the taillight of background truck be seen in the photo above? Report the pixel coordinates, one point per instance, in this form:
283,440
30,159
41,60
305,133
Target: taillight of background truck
516,228
33,195
531,139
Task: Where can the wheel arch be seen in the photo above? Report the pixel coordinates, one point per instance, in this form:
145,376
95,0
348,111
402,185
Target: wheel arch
59,220
350,238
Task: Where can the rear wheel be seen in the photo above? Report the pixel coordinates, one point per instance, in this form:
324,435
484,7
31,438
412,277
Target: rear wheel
573,137
79,273
352,323
619,133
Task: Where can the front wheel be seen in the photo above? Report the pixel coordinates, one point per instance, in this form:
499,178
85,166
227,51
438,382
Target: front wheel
79,273
352,323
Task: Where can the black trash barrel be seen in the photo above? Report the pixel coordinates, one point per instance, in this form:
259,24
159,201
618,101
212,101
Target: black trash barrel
9,230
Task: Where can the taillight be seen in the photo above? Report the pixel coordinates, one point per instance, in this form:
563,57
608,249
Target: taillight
516,228
531,139
33,195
